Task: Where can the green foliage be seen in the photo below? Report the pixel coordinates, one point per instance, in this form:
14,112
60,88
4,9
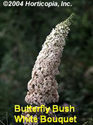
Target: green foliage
89,122
22,33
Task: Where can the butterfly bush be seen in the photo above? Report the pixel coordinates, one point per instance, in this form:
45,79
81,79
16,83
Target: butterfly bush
42,88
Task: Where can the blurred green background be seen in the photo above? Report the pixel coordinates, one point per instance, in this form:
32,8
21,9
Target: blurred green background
22,33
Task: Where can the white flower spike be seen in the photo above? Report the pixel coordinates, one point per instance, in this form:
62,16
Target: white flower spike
42,88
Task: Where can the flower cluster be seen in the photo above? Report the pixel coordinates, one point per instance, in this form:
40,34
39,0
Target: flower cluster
42,88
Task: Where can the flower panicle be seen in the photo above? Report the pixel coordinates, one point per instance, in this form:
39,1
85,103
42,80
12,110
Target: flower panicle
42,88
